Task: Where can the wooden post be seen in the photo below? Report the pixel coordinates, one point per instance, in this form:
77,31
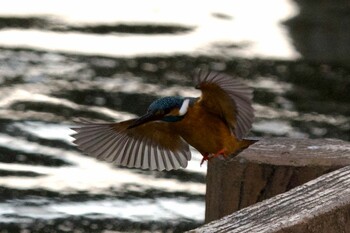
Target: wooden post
319,206
267,168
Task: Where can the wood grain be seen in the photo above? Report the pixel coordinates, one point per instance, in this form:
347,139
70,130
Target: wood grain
267,168
319,206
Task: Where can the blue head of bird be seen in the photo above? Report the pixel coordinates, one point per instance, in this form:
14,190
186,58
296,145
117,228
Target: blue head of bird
169,109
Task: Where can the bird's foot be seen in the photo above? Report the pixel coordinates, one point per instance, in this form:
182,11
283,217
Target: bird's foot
206,157
220,152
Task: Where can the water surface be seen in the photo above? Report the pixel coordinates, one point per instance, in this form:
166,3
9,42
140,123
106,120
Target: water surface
109,61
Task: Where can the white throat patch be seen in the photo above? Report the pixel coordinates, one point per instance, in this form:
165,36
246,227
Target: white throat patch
184,107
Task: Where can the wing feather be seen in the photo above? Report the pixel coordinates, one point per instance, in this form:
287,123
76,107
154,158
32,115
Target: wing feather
153,160
227,97
104,145
83,137
166,159
89,142
146,157
107,149
139,154
126,155
161,159
181,159
114,154
132,154
174,159
148,146
120,151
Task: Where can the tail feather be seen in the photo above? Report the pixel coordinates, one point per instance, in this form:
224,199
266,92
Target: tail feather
244,144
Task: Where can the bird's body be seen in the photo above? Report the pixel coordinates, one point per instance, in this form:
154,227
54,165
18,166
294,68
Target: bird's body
207,138
214,124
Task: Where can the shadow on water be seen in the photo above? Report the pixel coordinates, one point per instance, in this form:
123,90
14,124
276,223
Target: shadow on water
4,173
21,157
54,25
320,31
110,99
95,222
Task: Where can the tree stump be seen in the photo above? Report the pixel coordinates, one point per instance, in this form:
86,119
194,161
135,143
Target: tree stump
319,206
267,168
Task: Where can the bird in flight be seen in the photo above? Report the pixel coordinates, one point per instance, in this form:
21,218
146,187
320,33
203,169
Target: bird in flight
214,123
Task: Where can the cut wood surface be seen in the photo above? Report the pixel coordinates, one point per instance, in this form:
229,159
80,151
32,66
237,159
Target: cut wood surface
267,168
298,152
319,206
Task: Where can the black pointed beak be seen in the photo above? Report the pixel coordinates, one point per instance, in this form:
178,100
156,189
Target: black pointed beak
150,116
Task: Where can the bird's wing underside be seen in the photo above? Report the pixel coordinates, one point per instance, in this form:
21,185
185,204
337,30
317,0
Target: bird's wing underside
148,146
227,97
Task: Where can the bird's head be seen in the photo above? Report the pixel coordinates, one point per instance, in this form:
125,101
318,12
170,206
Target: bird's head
169,109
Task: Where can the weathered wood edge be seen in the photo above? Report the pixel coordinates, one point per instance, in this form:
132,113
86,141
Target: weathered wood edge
297,207
298,152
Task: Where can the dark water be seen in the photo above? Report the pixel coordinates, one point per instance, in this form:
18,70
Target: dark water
47,185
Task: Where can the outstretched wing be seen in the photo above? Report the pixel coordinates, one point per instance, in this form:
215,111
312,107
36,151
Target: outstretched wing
148,146
227,97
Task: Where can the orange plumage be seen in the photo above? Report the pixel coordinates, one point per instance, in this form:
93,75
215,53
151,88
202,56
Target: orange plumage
214,124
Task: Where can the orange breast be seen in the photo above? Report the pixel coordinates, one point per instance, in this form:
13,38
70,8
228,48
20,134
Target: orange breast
205,131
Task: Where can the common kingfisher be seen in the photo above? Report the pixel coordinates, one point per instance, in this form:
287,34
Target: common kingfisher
214,124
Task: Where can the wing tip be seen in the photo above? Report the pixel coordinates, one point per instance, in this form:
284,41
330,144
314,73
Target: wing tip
240,94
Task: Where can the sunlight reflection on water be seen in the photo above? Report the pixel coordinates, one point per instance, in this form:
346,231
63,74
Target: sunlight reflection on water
270,40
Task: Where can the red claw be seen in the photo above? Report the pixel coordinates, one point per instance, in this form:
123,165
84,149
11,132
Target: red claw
220,152
205,157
